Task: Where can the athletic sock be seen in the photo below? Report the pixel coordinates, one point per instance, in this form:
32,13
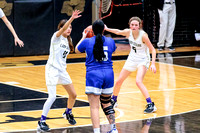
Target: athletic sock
112,126
96,130
148,100
68,111
148,123
43,118
114,98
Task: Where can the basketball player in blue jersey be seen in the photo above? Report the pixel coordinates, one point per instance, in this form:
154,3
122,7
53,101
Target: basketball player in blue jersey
55,70
138,59
99,74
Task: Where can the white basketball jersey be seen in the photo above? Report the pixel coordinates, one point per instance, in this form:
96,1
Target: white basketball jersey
59,50
139,50
1,13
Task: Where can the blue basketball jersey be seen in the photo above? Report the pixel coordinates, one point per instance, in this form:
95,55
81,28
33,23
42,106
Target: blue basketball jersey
91,63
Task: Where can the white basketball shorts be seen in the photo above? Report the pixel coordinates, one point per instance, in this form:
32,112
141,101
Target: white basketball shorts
55,76
132,65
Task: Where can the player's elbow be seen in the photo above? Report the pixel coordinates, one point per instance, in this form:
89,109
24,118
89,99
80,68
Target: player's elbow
77,51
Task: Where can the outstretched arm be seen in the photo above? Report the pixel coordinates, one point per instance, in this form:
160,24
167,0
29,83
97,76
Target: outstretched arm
124,32
84,34
75,15
146,40
10,27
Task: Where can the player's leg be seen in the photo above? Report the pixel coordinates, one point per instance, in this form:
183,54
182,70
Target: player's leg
47,105
94,81
70,103
72,95
109,111
66,81
105,98
94,111
139,82
122,76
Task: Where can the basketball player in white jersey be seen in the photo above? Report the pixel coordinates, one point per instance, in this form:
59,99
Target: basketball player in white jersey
138,59
10,27
55,73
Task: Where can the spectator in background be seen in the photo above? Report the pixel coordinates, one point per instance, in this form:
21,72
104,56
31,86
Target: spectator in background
197,31
167,14
10,27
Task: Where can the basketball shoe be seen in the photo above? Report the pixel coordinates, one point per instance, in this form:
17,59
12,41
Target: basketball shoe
43,126
150,108
114,104
70,118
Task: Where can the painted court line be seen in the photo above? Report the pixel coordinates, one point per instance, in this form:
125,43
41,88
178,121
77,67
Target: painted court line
189,88
36,90
154,90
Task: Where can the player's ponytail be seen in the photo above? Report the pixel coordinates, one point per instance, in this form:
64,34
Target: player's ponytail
60,25
98,27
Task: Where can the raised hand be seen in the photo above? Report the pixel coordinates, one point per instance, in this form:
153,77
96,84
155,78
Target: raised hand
75,14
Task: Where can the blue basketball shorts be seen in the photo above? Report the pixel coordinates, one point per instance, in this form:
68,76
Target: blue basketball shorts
99,81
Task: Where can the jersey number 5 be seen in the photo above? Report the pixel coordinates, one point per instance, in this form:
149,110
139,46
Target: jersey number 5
134,48
106,54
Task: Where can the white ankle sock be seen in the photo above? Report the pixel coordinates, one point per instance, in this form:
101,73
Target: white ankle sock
112,126
96,130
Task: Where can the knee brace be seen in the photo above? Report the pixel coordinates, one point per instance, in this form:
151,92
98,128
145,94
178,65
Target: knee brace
105,100
108,110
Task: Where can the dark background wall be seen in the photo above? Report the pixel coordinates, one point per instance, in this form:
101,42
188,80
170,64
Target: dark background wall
186,21
35,21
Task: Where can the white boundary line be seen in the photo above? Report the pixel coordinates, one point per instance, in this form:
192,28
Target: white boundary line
113,61
155,90
38,110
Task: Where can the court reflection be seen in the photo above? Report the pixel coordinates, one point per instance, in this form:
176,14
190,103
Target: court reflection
167,81
146,126
197,60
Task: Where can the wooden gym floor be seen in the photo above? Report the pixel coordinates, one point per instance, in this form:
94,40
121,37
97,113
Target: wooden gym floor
175,89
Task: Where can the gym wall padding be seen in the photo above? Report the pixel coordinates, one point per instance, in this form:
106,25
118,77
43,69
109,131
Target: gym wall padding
63,10
6,38
35,21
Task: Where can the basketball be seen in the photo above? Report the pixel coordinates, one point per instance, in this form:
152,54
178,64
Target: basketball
90,31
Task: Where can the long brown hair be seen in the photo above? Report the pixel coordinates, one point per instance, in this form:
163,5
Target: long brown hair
60,25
